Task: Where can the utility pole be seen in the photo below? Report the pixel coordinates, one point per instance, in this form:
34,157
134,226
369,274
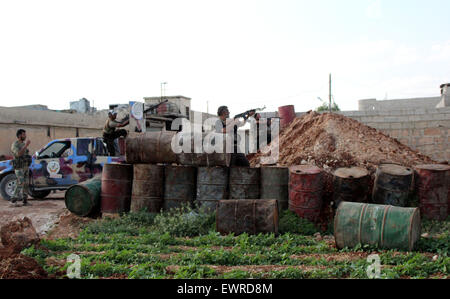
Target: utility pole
162,84
330,95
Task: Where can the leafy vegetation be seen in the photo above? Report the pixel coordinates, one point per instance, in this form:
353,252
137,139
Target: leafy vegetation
184,244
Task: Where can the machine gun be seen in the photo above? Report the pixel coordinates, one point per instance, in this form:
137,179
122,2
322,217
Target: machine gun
153,107
246,114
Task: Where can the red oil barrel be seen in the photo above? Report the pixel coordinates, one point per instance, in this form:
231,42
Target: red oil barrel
432,187
287,115
117,182
305,191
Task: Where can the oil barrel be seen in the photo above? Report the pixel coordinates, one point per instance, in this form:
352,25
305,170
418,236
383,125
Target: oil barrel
212,186
179,186
151,147
432,187
83,199
350,184
148,187
287,115
392,185
385,226
204,149
275,185
305,191
117,181
244,183
247,216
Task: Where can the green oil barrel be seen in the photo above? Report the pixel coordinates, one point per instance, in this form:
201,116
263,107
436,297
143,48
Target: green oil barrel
387,227
84,199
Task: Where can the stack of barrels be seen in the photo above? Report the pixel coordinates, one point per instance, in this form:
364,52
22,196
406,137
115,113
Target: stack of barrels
394,185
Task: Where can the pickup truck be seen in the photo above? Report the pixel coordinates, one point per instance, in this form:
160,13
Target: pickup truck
59,165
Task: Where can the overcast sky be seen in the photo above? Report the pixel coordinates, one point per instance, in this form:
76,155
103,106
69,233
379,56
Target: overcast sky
244,54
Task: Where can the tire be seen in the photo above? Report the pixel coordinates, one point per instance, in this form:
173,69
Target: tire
39,194
7,186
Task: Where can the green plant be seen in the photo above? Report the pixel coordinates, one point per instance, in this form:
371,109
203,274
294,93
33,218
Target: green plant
290,223
184,222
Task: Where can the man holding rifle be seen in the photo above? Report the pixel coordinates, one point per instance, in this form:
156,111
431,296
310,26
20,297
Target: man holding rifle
231,127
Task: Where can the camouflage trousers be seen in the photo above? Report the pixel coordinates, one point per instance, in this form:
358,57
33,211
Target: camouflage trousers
22,183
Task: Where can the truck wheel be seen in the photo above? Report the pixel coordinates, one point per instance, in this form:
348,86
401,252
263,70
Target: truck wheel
39,194
8,186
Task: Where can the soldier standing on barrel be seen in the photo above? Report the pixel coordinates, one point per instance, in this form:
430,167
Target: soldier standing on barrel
21,164
110,134
230,127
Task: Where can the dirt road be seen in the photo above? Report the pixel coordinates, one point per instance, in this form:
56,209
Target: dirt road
43,213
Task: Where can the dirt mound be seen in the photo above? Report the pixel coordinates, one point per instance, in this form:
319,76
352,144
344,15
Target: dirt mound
68,226
18,234
333,141
19,266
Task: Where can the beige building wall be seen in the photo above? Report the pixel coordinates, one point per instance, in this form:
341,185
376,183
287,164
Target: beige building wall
45,126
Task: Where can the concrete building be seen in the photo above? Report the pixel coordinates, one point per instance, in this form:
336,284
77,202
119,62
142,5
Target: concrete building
82,106
44,126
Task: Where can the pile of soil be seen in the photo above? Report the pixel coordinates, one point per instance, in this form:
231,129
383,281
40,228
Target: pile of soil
68,226
332,141
19,266
16,236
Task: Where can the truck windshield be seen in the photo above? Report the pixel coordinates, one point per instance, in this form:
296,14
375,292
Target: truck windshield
54,150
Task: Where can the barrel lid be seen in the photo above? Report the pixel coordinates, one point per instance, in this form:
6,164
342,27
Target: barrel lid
395,169
351,172
433,167
305,169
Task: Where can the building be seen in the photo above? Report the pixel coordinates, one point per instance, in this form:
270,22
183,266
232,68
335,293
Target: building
182,103
82,106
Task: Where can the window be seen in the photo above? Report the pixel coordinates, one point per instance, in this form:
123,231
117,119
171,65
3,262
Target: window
83,147
100,148
55,150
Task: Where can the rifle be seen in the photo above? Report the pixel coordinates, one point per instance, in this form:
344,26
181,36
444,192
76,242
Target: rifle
246,114
153,107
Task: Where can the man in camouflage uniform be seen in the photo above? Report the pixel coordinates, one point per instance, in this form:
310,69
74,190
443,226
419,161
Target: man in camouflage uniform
21,164
110,134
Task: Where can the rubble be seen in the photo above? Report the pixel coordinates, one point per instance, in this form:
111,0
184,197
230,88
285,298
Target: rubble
19,234
15,236
331,141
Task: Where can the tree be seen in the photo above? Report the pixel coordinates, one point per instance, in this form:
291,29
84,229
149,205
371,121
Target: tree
324,107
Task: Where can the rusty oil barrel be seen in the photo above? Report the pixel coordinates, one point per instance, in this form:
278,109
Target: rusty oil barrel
148,187
305,191
83,199
350,184
432,187
388,227
207,153
287,115
151,147
212,186
392,185
275,185
179,186
247,216
244,183
117,181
